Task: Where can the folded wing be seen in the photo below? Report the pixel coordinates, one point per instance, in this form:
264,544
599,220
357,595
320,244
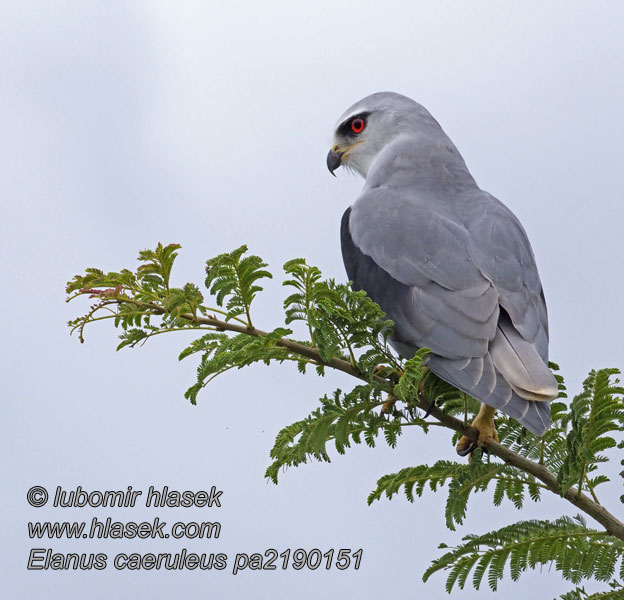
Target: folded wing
460,279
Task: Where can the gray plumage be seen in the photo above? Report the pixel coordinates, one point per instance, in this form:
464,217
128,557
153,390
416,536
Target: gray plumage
447,262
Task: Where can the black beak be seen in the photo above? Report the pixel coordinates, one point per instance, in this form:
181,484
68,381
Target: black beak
333,160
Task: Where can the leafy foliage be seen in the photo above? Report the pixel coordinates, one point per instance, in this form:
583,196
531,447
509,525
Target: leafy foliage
576,551
309,288
463,479
615,593
343,418
593,414
220,353
346,330
234,277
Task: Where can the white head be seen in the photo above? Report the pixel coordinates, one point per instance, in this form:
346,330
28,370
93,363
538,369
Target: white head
371,124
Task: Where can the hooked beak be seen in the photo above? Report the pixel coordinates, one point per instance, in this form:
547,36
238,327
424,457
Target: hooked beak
334,157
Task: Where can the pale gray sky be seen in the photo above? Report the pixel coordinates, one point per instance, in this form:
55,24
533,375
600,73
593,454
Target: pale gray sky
204,123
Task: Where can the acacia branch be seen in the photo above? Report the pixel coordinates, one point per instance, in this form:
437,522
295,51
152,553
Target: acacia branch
612,525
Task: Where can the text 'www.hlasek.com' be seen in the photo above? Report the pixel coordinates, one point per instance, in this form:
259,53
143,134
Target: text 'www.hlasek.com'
202,532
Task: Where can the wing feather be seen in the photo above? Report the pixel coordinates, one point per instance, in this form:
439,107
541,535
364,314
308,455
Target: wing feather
443,271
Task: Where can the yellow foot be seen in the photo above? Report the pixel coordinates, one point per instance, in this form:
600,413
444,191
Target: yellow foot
388,406
484,423
387,373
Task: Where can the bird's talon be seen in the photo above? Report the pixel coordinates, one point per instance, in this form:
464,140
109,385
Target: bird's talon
484,424
387,372
388,406
466,449
431,406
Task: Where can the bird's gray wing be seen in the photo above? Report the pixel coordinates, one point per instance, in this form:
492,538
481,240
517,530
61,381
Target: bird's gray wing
445,290
450,306
502,250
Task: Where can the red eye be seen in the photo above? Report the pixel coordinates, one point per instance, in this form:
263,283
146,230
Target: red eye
357,125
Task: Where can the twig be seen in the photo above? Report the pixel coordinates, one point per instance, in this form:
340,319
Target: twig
612,525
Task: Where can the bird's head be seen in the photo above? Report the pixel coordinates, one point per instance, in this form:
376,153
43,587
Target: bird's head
370,125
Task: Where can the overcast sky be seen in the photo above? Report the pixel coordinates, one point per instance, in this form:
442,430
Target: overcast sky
207,123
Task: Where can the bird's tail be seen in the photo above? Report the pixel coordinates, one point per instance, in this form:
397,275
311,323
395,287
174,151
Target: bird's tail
512,377
522,367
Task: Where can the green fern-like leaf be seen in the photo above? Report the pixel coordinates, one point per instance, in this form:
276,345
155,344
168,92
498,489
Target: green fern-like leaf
576,551
346,323
232,278
222,353
157,265
594,413
615,593
306,280
463,480
344,418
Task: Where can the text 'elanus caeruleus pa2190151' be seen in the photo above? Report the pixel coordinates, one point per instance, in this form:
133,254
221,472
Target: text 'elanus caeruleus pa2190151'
446,261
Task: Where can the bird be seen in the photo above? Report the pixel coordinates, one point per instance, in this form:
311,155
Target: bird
447,262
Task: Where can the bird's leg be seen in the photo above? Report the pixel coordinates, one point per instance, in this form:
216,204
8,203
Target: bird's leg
394,375
387,373
388,406
484,423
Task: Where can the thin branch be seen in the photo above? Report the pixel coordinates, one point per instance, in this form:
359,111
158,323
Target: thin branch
590,487
612,525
